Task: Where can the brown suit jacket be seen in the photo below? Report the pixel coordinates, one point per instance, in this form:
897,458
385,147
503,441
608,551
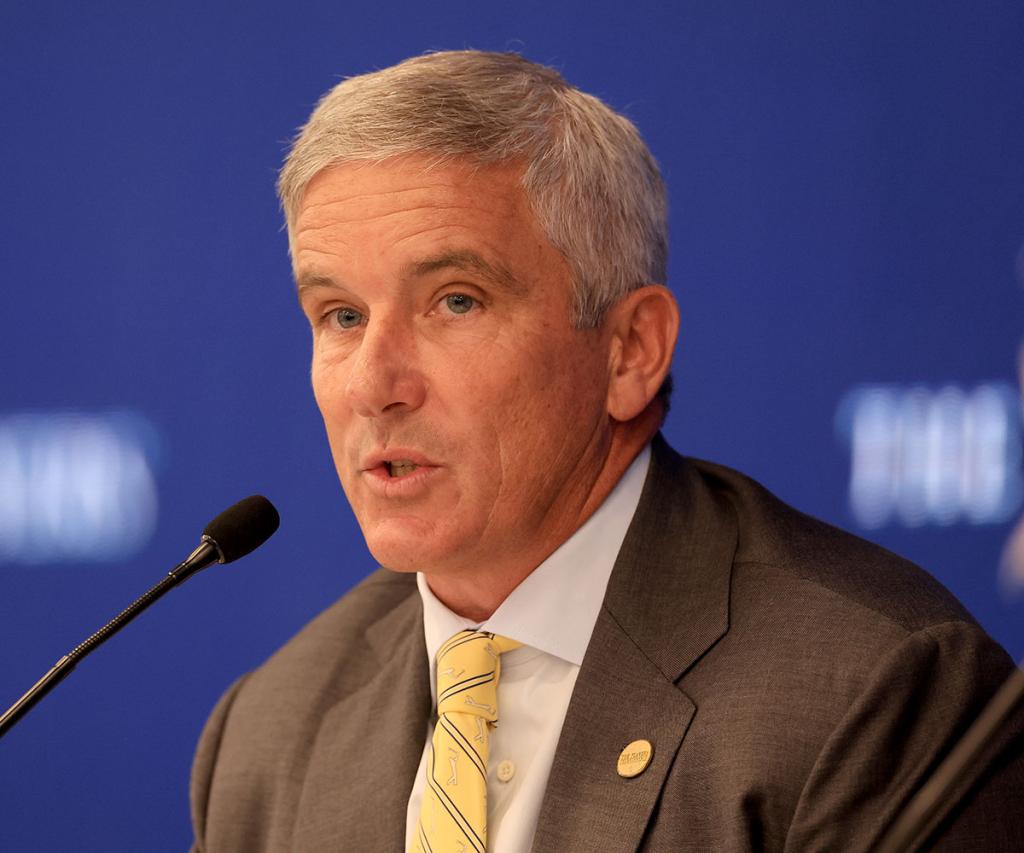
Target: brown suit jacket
798,685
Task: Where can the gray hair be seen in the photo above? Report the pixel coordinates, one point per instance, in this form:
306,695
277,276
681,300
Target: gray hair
591,182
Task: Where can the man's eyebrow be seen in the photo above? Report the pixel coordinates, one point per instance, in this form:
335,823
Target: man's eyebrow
306,281
470,261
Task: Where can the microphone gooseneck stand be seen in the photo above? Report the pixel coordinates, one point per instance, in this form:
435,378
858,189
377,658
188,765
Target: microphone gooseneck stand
960,768
234,533
206,554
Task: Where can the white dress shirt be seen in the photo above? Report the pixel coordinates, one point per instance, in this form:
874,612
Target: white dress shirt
552,613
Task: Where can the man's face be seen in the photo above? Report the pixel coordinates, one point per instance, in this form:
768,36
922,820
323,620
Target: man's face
466,417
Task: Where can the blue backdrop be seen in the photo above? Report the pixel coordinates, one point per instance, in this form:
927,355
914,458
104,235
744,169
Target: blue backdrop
847,192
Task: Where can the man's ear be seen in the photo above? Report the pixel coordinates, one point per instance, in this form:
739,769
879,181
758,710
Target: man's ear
643,326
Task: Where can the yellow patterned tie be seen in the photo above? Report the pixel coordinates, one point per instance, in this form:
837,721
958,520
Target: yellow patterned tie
453,816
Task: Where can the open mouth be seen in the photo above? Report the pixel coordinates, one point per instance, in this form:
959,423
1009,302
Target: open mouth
400,467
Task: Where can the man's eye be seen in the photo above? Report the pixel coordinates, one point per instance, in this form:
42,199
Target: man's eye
459,303
348,318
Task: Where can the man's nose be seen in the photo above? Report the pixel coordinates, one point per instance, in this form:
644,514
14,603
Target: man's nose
385,376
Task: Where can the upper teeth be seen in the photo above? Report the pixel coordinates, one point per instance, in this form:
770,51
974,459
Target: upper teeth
400,467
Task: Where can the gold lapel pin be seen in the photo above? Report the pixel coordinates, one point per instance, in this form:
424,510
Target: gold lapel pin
633,760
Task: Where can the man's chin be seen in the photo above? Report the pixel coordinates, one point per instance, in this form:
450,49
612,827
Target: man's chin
410,547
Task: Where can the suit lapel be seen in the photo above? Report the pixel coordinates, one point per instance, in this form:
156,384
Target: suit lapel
619,697
369,744
666,605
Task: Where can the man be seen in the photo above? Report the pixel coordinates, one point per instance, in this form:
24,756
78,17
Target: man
681,662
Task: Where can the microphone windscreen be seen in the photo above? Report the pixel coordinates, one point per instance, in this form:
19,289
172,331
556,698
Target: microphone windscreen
242,528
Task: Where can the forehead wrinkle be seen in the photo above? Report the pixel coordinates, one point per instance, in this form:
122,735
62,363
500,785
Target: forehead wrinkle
428,229
333,221
307,260
382,195
341,197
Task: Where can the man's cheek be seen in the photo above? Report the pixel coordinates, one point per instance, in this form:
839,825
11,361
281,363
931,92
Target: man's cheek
329,391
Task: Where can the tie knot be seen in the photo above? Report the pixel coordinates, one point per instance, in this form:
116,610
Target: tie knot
468,668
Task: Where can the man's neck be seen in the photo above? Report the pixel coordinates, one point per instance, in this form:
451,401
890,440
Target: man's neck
477,595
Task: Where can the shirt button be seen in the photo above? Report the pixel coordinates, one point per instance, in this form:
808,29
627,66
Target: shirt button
506,770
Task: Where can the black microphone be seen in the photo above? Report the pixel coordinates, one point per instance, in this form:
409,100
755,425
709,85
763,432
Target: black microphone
237,531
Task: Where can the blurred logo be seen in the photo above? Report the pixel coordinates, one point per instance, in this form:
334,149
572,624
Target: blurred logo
920,456
76,487
953,455
1011,569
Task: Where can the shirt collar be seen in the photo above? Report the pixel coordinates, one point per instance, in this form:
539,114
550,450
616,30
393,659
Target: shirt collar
556,607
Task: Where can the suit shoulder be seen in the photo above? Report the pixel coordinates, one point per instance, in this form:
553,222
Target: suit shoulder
261,745
776,538
328,652
350,616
